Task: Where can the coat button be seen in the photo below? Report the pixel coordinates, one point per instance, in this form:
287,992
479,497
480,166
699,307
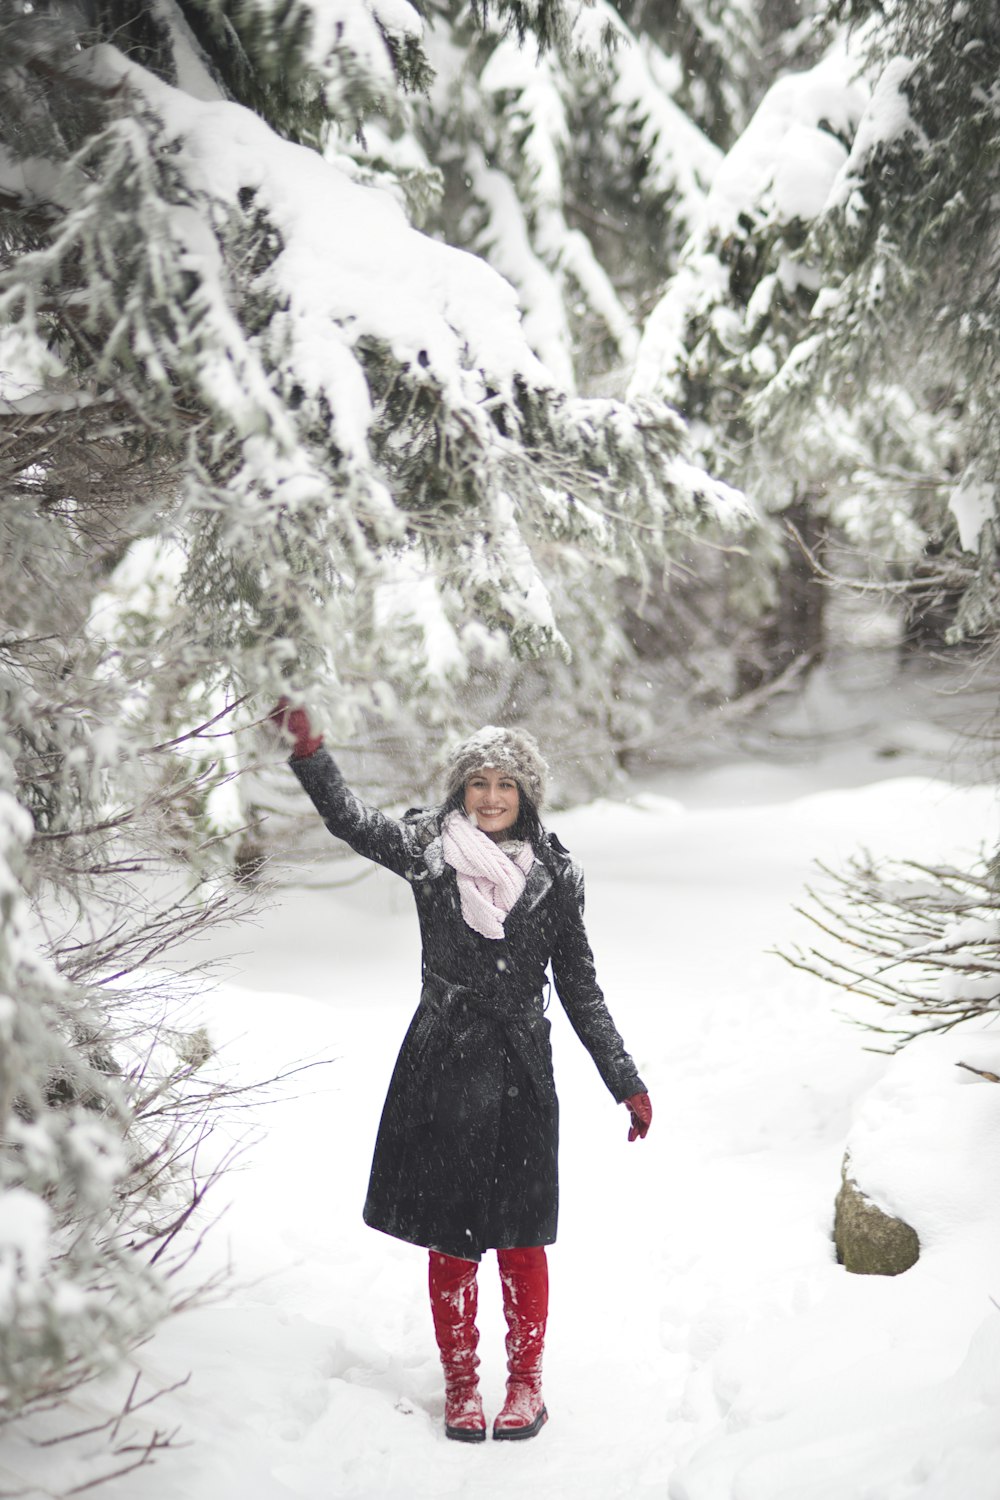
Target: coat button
512,1091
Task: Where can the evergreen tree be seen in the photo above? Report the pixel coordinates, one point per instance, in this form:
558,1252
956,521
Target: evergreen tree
908,246
258,432
738,304
347,423
571,169
743,307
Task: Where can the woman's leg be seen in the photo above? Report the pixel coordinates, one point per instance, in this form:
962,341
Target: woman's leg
524,1276
454,1298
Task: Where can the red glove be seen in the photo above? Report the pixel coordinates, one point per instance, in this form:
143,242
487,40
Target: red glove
295,722
642,1116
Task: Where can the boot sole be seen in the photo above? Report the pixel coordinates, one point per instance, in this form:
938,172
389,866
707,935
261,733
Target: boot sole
518,1434
466,1434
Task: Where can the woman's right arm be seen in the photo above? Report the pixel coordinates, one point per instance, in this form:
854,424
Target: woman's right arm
369,832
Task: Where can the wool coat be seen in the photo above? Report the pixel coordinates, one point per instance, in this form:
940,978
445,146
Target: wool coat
466,1153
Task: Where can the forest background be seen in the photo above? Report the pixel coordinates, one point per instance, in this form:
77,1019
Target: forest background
434,363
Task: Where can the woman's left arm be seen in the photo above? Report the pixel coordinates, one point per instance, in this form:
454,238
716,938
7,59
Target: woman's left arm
582,997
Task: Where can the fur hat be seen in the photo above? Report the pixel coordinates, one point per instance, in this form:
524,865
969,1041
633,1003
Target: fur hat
513,751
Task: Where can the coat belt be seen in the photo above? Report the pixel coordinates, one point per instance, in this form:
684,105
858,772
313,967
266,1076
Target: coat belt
517,1023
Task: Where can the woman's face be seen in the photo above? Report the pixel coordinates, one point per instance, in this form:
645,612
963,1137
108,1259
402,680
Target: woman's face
492,798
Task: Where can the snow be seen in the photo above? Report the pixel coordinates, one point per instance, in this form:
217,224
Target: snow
349,27
408,597
351,267
397,16
679,157
704,1344
924,1144
193,74
539,119
972,503
789,150
505,240
25,1227
15,823
887,118
700,280
512,69
781,171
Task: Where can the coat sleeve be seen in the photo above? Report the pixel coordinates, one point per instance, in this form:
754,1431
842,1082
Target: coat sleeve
582,998
389,841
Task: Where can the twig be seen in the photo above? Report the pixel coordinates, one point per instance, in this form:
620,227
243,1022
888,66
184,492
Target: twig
980,1072
194,734
114,1422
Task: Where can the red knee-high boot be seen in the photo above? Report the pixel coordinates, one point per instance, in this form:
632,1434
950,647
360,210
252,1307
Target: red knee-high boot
454,1298
524,1275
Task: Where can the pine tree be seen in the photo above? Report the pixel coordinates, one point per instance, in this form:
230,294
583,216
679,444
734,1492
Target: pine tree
908,250
571,168
737,305
743,307
580,175
256,432
375,434
575,172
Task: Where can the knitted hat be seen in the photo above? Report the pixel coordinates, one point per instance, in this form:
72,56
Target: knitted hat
513,751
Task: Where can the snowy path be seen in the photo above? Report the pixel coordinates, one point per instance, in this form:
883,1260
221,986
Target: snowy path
703,1343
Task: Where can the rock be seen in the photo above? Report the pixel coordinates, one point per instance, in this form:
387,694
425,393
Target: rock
870,1241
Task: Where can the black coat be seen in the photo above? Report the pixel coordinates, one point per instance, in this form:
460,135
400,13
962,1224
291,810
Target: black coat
466,1155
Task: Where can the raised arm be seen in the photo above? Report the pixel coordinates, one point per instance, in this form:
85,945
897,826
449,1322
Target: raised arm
388,841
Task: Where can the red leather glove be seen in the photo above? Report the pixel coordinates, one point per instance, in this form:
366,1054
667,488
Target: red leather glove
295,722
642,1116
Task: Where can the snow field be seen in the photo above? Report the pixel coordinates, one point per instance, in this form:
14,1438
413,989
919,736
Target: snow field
703,1343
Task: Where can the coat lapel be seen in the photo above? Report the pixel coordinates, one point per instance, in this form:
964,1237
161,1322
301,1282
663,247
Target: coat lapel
536,887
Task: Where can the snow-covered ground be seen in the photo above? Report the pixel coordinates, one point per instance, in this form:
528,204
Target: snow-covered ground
703,1343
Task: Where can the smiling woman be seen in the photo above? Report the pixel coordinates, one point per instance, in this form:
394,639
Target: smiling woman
467,1148
492,801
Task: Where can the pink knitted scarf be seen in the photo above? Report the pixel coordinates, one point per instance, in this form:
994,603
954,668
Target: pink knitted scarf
489,881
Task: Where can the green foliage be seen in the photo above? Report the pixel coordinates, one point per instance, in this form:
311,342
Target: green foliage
717,45
285,60
909,253
546,21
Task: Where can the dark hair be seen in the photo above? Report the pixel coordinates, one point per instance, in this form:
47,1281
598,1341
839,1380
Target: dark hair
527,828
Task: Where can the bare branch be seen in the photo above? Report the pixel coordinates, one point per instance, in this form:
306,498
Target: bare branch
923,940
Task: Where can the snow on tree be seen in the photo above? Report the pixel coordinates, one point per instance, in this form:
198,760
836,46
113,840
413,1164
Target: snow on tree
578,172
922,942
570,168
740,311
908,243
332,397
71,1295
578,169
714,49
728,318
575,173
257,432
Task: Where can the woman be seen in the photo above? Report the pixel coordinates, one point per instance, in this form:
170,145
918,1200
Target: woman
465,1158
